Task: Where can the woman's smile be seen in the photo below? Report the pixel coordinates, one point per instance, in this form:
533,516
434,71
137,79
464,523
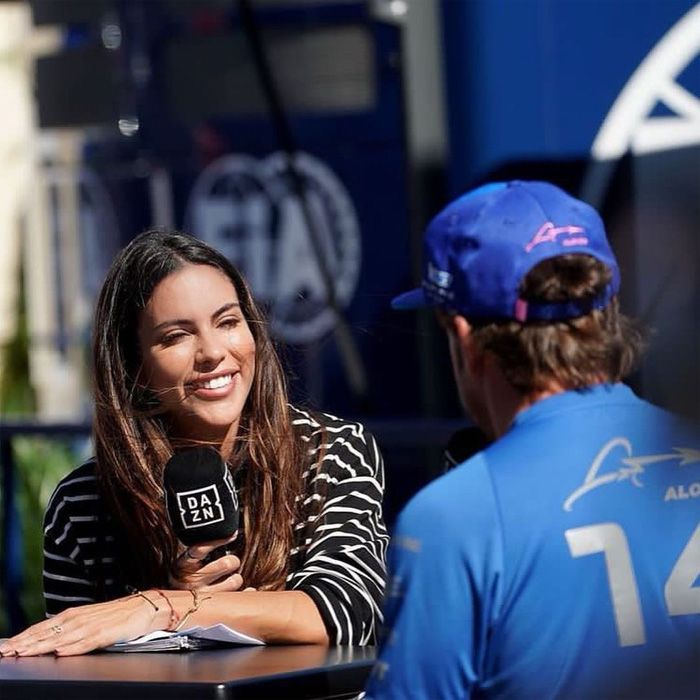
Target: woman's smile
214,386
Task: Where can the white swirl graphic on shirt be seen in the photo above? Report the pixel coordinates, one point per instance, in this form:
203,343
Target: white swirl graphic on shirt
631,471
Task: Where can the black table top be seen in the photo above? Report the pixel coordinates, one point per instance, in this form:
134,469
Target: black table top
303,671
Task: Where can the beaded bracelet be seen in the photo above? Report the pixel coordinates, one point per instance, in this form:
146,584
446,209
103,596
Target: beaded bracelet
174,617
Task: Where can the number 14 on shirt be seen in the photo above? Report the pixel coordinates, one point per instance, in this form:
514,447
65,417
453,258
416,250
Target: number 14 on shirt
682,597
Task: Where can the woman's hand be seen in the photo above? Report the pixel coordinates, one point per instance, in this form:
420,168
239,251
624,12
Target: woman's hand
191,570
82,629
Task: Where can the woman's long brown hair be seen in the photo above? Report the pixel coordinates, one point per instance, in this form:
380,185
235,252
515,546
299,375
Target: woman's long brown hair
132,442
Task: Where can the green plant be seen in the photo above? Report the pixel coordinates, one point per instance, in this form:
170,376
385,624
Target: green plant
16,394
40,463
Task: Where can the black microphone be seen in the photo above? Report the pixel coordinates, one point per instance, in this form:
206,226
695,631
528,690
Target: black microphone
200,496
462,445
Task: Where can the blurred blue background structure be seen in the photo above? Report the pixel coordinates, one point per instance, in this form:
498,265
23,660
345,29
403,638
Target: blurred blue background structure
311,141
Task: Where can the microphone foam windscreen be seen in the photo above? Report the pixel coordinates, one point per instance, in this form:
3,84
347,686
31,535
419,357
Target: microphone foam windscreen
200,496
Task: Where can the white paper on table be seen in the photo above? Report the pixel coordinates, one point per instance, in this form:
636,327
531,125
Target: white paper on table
158,634
220,633
182,640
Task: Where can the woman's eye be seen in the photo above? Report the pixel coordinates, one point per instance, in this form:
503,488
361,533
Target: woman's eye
229,322
171,338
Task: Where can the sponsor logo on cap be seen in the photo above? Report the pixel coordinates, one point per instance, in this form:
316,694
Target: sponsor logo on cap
549,233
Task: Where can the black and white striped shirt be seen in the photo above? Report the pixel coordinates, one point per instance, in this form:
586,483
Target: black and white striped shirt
338,557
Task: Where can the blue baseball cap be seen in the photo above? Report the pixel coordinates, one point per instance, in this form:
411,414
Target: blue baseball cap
480,247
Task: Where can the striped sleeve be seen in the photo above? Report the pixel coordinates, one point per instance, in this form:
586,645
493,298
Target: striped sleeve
69,520
344,545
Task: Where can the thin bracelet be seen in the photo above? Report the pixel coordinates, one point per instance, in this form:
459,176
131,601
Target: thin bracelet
141,594
174,617
197,601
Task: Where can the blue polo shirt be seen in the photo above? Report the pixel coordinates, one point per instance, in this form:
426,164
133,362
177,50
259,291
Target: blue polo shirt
561,562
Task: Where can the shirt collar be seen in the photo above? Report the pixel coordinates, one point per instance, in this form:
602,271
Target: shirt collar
566,400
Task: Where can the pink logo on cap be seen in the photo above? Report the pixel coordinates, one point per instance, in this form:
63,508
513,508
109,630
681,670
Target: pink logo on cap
548,234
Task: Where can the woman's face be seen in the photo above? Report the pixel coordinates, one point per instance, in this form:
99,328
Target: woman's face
198,352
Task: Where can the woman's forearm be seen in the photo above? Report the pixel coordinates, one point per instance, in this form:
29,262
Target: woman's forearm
275,617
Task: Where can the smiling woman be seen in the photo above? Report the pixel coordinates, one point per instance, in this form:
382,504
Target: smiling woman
198,353
182,357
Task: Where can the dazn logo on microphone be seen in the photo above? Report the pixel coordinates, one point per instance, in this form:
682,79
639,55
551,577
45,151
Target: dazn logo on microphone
200,507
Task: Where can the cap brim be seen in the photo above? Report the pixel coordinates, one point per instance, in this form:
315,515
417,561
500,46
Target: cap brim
415,299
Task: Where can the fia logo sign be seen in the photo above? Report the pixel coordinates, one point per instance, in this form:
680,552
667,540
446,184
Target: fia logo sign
249,210
200,507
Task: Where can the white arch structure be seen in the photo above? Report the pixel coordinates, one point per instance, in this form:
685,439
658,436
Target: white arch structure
628,124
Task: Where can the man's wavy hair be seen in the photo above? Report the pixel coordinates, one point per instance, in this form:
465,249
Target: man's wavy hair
601,346
132,436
